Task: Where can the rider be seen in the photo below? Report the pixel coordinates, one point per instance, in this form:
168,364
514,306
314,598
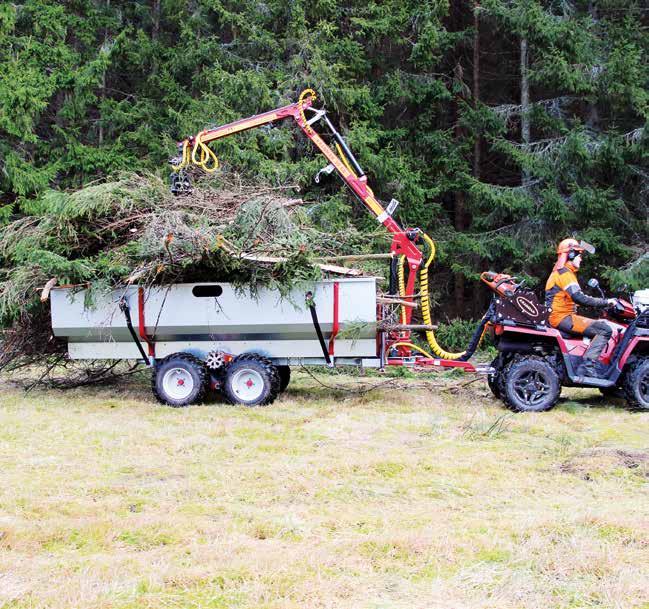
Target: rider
563,294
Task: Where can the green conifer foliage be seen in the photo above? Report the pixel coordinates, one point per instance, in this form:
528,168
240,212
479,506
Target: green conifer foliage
92,87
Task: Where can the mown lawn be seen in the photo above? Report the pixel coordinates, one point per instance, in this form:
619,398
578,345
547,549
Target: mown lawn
407,496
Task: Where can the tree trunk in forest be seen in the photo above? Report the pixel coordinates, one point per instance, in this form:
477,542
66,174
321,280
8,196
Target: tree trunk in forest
156,19
479,300
460,201
476,86
525,104
102,94
458,279
592,119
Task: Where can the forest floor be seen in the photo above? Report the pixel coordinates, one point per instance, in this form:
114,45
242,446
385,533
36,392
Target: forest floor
422,494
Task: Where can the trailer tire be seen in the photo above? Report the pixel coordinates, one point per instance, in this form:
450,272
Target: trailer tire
636,384
284,377
179,380
251,380
530,384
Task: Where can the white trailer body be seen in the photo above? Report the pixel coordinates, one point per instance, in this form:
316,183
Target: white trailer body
199,318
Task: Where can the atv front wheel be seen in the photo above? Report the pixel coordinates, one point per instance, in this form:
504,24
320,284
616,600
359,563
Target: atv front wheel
636,384
530,384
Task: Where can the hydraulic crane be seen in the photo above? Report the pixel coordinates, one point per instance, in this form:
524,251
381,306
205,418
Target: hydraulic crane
404,247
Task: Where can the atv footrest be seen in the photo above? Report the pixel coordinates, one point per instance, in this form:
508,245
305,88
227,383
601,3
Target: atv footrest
591,381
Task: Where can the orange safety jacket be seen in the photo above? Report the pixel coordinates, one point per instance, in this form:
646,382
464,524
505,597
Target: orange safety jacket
562,294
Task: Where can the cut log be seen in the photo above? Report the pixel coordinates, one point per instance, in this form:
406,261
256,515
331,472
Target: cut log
396,301
358,257
45,293
398,327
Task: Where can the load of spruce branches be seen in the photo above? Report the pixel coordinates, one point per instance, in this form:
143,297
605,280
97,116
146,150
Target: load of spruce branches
132,230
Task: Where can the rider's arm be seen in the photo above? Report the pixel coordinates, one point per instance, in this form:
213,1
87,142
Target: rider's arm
584,299
567,281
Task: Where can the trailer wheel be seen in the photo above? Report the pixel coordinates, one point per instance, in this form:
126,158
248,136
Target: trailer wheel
284,377
251,380
636,384
180,379
530,384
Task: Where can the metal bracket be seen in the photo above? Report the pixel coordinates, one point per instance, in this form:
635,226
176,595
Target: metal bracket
392,206
326,170
318,114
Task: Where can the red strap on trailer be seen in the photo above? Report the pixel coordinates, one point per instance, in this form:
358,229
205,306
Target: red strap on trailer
141,324
336,326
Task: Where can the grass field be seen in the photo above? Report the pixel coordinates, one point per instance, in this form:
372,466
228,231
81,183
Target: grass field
412,496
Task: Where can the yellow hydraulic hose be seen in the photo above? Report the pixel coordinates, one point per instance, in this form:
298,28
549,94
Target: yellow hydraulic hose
415,347
311,93
185,158
402,287
206,156
425,305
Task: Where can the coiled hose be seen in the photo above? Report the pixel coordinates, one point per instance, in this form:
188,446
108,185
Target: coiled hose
476,339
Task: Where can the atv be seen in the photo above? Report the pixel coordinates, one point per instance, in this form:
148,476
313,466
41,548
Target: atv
535,360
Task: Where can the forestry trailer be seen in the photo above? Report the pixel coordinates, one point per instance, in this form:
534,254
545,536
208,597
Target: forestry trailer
205,336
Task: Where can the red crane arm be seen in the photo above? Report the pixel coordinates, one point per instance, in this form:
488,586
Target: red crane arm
402,242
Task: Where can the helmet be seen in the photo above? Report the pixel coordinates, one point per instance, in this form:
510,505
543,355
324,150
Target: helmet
569,249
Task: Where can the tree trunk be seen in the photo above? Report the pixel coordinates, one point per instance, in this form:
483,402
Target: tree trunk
592,119
156,20
458,279
460,201
476,87
102,93
525,104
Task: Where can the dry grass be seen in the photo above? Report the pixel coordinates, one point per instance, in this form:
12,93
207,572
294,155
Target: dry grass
413,499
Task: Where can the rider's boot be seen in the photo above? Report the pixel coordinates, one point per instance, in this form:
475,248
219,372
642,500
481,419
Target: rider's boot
591,366
592,369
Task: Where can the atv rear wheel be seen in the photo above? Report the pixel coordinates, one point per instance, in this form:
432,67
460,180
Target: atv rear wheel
530,384
636,384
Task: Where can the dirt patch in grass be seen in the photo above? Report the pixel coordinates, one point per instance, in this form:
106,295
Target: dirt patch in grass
607,461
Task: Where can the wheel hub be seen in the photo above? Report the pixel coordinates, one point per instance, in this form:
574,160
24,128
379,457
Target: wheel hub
247,384
531,387
178,383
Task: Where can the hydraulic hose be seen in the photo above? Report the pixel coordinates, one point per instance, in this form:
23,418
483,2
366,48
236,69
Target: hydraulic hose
478,335
312,94
425,305
206,156
402,287
412,346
